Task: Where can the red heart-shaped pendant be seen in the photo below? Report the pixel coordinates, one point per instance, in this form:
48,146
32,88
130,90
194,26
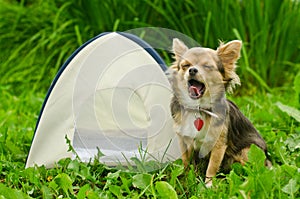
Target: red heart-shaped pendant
198,123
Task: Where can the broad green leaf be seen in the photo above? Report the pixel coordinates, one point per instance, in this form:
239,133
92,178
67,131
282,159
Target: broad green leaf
46,192
9,193
165,190
93,195
266,179
83,191
291,187
290,169
116,190
53,185
291,111
64,182
74,165
141,181
256,156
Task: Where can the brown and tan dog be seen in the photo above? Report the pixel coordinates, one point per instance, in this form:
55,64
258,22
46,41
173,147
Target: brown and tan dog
206,122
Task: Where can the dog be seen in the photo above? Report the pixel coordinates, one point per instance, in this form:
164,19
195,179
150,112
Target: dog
205,121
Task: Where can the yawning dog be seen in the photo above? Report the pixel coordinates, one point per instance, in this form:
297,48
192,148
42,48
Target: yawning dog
209,125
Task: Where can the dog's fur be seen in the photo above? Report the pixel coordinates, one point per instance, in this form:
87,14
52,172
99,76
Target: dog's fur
200,78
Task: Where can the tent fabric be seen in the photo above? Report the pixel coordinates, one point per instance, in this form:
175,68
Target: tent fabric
111,95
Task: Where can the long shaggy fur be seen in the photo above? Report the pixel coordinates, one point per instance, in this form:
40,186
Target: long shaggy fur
200,78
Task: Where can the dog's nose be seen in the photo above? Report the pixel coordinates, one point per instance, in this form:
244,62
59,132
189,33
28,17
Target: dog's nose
193,71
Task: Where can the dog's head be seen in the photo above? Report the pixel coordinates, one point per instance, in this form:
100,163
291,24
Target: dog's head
203,73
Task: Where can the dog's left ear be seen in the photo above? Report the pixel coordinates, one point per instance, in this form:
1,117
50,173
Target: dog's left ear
229,53
179,48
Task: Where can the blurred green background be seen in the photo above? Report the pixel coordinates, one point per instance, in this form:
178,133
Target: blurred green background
37,36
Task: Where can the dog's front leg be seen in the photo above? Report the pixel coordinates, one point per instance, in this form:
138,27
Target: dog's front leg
215,141
186,147
215,160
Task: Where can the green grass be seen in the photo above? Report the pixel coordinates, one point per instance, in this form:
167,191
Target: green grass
36,37
74,179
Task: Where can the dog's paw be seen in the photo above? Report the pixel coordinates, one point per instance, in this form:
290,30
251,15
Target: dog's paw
208,182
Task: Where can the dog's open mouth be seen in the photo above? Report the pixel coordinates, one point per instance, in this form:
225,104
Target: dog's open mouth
196,89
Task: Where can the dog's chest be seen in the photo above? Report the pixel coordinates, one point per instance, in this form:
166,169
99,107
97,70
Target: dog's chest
189,125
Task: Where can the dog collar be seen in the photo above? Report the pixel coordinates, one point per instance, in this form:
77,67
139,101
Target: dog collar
207,111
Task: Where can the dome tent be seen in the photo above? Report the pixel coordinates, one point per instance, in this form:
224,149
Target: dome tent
112,95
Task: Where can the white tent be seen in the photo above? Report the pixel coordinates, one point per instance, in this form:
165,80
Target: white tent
111,94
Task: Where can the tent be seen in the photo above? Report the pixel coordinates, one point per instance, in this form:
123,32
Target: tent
110,95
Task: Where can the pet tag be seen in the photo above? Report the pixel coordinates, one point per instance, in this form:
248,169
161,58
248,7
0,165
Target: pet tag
198,123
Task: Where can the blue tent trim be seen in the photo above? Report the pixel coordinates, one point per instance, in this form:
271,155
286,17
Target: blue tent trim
147,47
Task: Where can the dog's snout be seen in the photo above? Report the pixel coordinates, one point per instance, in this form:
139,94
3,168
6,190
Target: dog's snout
193,71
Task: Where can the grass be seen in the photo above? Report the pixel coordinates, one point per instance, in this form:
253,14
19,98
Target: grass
36,37
74,179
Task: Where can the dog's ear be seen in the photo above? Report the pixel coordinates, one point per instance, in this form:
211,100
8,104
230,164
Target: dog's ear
229,53
179,48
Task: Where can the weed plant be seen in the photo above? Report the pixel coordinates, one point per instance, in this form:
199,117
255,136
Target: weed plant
36,37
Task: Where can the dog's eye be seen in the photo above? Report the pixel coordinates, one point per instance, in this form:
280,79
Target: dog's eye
185,65
207,67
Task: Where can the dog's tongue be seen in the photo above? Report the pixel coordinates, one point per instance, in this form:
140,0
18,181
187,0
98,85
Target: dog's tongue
195,91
